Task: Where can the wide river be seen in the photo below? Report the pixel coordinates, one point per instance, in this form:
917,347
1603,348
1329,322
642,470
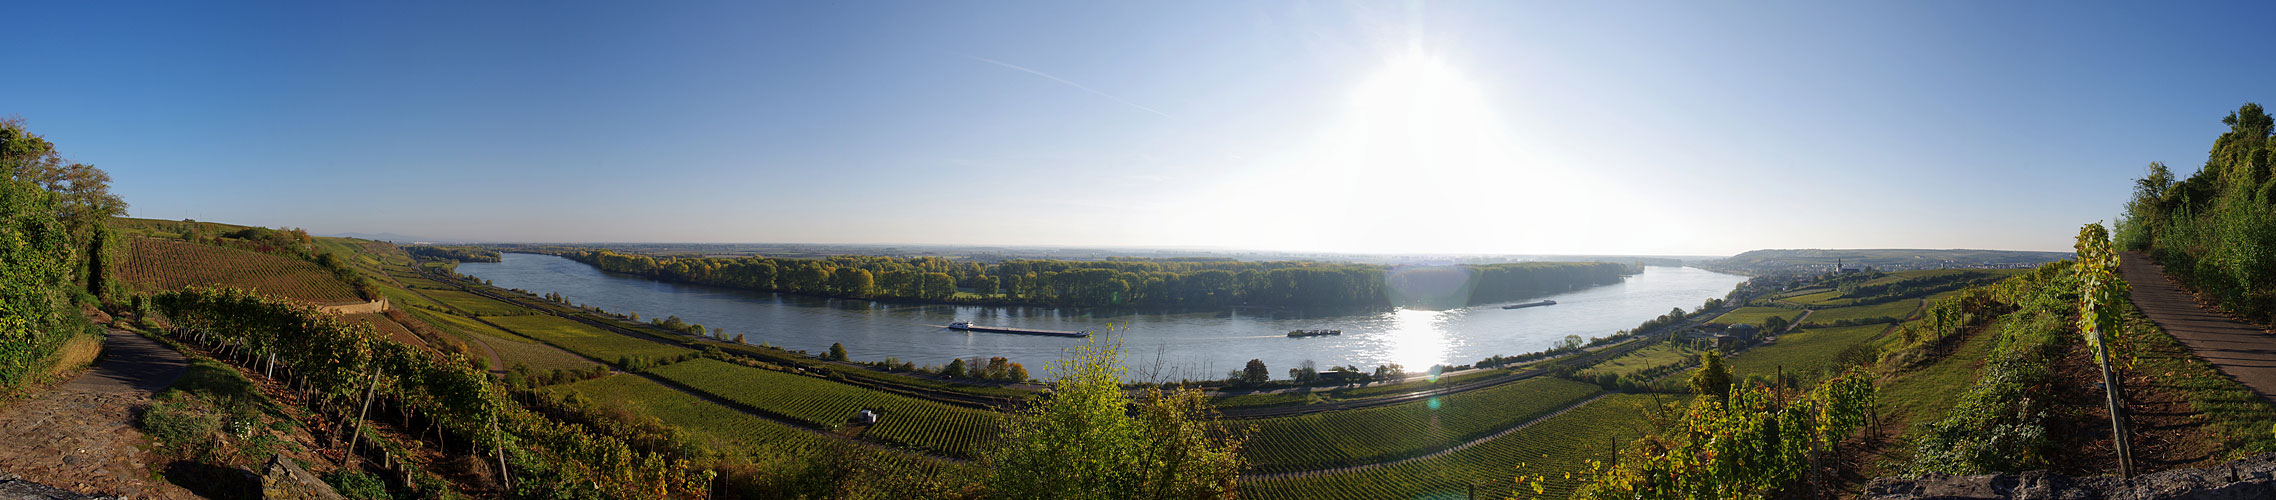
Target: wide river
1164,346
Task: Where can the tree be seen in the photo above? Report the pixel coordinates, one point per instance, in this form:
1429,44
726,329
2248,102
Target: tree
1255,372
1304,373
1773,324
1711,378
837,352
955,369
1082,442
1571,343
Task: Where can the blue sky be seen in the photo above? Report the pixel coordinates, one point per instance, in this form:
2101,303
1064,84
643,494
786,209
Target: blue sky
1472,127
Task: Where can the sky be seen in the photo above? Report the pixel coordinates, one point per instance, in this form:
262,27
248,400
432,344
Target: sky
1677,128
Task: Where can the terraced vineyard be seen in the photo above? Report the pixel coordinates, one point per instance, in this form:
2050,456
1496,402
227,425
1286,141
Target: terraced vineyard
912,422
1330,439
1552,448
583,339
155,265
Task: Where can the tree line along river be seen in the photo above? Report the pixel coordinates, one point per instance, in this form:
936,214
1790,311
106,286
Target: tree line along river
1194,345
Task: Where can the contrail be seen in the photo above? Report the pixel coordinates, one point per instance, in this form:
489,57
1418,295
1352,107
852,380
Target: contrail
1072,84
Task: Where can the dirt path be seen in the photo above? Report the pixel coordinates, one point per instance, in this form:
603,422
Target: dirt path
80,435
2239,350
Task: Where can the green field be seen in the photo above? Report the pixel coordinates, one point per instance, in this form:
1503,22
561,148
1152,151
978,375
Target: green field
1753,315
1663,354
583,339
473,304
511,348
1323,440
1899,309
1802,352
912,422
1924,393
1552,448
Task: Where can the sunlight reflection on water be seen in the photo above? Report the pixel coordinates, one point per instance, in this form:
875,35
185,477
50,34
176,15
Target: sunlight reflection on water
1417,338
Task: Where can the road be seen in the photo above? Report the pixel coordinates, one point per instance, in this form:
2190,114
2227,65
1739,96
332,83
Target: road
2240,350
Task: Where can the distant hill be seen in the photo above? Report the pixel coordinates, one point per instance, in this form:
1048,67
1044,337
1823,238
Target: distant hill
1809,260
394,238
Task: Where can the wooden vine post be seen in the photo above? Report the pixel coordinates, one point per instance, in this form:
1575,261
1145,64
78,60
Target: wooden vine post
2100,291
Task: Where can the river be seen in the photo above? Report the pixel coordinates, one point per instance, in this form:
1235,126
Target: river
1163,346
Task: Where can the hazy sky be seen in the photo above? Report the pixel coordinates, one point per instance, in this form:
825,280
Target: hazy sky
1513,127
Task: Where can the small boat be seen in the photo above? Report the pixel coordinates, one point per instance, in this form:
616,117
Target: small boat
1530,304
1312,333
967,326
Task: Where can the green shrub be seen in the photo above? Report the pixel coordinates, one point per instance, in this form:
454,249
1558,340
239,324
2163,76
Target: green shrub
357,485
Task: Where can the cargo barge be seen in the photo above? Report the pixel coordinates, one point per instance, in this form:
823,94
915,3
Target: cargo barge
967,326
1312,333
1530,304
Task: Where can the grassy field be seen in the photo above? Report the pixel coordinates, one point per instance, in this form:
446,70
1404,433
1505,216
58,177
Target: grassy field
473,304
903,420
511,348
154,265
1922,394
1753,315
1662,354
1806,291
1801,352
1554,448
1322,440
583,339
1899,309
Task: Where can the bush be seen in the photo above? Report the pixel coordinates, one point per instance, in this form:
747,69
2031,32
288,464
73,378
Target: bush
357,485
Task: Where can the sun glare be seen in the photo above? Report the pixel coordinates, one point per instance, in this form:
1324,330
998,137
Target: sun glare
1414,162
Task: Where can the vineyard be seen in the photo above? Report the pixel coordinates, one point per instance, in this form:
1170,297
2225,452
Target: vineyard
583,339
473,304
512,349
1895,309
387,328
1323,440
717,426
155,265
1556,446
1284,398
1754,315
1801,353
912,422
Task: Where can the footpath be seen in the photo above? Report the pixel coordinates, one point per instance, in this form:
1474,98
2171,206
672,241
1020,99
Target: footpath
2241,351
80,435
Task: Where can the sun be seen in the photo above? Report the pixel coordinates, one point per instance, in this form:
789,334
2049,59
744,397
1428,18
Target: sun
1417,155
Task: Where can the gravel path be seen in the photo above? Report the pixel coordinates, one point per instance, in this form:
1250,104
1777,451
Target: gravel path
2242,351
80,435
